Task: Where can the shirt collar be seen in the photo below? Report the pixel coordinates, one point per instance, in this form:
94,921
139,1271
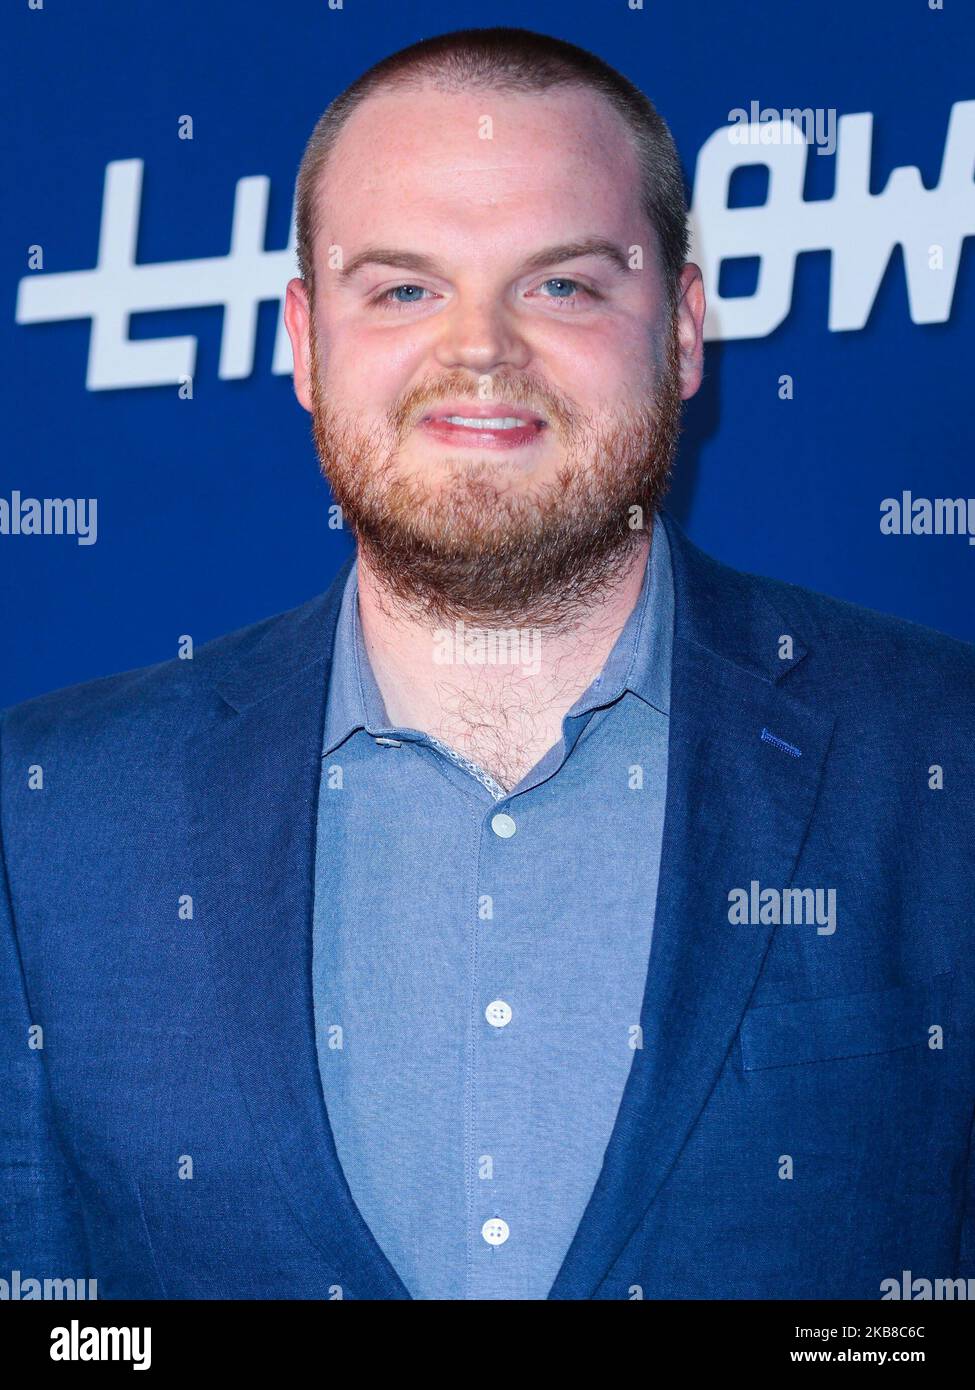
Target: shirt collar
640,660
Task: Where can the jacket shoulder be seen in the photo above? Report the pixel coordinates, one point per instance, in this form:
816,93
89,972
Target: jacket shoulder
901,674
885,668
146,693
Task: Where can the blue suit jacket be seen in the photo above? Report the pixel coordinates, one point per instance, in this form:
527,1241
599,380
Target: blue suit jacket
790,1127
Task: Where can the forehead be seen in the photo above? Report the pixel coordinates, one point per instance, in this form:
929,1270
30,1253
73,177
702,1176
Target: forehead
481,163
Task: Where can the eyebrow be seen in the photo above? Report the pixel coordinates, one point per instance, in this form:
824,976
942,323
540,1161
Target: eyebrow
549,255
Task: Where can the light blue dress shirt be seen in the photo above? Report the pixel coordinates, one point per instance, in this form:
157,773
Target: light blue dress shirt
480,959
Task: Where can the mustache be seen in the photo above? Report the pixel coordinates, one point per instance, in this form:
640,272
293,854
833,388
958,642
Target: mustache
529,392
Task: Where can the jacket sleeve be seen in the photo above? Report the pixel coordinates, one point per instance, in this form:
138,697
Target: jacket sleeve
966,1242
41,1230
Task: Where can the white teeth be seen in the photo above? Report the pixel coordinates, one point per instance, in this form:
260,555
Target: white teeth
507,422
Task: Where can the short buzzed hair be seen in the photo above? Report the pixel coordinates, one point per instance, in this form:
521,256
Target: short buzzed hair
509,60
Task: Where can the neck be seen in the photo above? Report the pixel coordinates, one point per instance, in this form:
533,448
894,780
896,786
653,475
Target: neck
497,695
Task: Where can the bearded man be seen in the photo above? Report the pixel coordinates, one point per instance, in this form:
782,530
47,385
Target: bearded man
546,910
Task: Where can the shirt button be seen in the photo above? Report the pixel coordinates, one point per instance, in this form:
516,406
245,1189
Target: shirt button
498,1013
495,1231
503,825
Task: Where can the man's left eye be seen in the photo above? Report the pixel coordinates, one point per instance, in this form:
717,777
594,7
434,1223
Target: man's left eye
566,290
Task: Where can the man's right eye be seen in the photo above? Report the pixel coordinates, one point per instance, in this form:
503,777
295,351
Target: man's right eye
384,301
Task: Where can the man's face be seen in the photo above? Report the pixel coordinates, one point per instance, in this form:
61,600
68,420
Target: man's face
451,300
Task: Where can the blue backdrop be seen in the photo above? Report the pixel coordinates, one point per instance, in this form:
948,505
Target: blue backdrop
852,292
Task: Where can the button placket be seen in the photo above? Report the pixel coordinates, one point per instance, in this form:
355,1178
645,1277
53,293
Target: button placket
496,1016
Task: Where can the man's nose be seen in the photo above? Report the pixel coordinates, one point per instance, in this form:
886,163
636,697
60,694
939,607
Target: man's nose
480,335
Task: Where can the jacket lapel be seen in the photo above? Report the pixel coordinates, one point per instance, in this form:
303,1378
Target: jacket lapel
737,809
253,790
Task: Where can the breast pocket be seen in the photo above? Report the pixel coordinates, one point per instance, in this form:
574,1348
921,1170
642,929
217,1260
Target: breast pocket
851,1025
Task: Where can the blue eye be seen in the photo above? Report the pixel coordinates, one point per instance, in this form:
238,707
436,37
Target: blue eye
574,288
385,301
560,282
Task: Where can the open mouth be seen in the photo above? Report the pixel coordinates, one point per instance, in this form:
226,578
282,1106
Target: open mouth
485,427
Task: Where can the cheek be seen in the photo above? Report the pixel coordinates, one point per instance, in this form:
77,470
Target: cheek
371,369
595,363
365,373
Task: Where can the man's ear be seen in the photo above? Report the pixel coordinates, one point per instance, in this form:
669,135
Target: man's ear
691,308
297,320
